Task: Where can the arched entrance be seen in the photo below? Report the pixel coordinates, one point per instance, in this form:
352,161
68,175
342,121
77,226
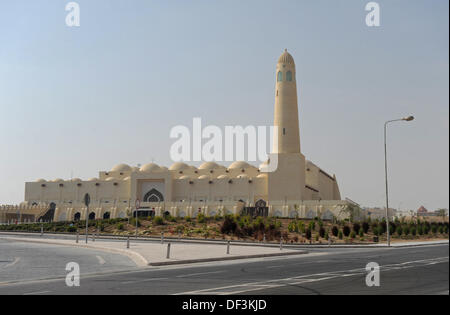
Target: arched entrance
77,216
92,216
153,196
106,215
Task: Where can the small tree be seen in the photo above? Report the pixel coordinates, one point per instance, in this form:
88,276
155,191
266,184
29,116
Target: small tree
365,227
399,231
356,227
346,231
340,235
321,232
308,234
334,230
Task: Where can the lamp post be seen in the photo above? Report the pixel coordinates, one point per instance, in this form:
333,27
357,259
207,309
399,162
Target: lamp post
409,118
87,201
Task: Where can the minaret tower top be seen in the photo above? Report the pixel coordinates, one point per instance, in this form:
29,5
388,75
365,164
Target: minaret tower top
286,107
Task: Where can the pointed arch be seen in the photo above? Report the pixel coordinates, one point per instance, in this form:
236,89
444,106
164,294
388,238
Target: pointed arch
280,76
153,196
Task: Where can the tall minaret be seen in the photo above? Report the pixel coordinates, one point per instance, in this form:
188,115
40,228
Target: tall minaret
286,107
287,182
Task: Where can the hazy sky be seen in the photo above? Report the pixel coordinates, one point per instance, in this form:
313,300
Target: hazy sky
80,100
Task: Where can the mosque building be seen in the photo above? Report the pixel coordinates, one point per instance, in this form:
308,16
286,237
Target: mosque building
297,188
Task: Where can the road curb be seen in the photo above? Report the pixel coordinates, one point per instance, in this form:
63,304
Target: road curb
192,261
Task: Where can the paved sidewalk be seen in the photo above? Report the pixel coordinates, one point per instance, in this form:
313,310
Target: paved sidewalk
154,254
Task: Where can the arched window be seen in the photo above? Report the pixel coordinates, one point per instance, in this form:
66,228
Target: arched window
280,76
289,76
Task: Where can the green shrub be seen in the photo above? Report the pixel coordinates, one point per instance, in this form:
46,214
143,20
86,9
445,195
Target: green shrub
188,219
321,232
229,225
301,226
340,235
365,227
413,231
352,234
361,233
201,218
120,226
334,231
346,230
308,234
420,229
406,230
434,229
399,230
356,227
158,220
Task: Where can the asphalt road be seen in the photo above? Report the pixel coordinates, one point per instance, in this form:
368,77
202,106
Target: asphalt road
412,270
26,261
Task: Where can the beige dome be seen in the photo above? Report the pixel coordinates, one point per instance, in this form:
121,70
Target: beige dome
127,178
286,58
223,177
204,177
40,180
57,180
179,166
110,179
209,166
240,165
262,176
76,179
93,179
242,176
121,168
150,167
185,177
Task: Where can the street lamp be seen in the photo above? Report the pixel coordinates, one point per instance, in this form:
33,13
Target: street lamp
408,118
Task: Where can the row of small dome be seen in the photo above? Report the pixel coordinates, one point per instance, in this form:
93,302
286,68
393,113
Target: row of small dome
152,167
57,180
180,166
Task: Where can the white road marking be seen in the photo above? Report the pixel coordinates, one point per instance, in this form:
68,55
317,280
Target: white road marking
144,280
199,274
16,260
101,261
254,286
37,293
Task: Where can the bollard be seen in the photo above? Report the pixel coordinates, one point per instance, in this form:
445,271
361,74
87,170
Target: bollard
42,230
264,238
128,241
228,247
168,251
93,237
281,244
78,236
162,237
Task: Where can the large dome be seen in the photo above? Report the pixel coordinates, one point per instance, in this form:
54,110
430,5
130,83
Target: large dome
150,167
240,165
286,58
178,166
121,168
209,166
